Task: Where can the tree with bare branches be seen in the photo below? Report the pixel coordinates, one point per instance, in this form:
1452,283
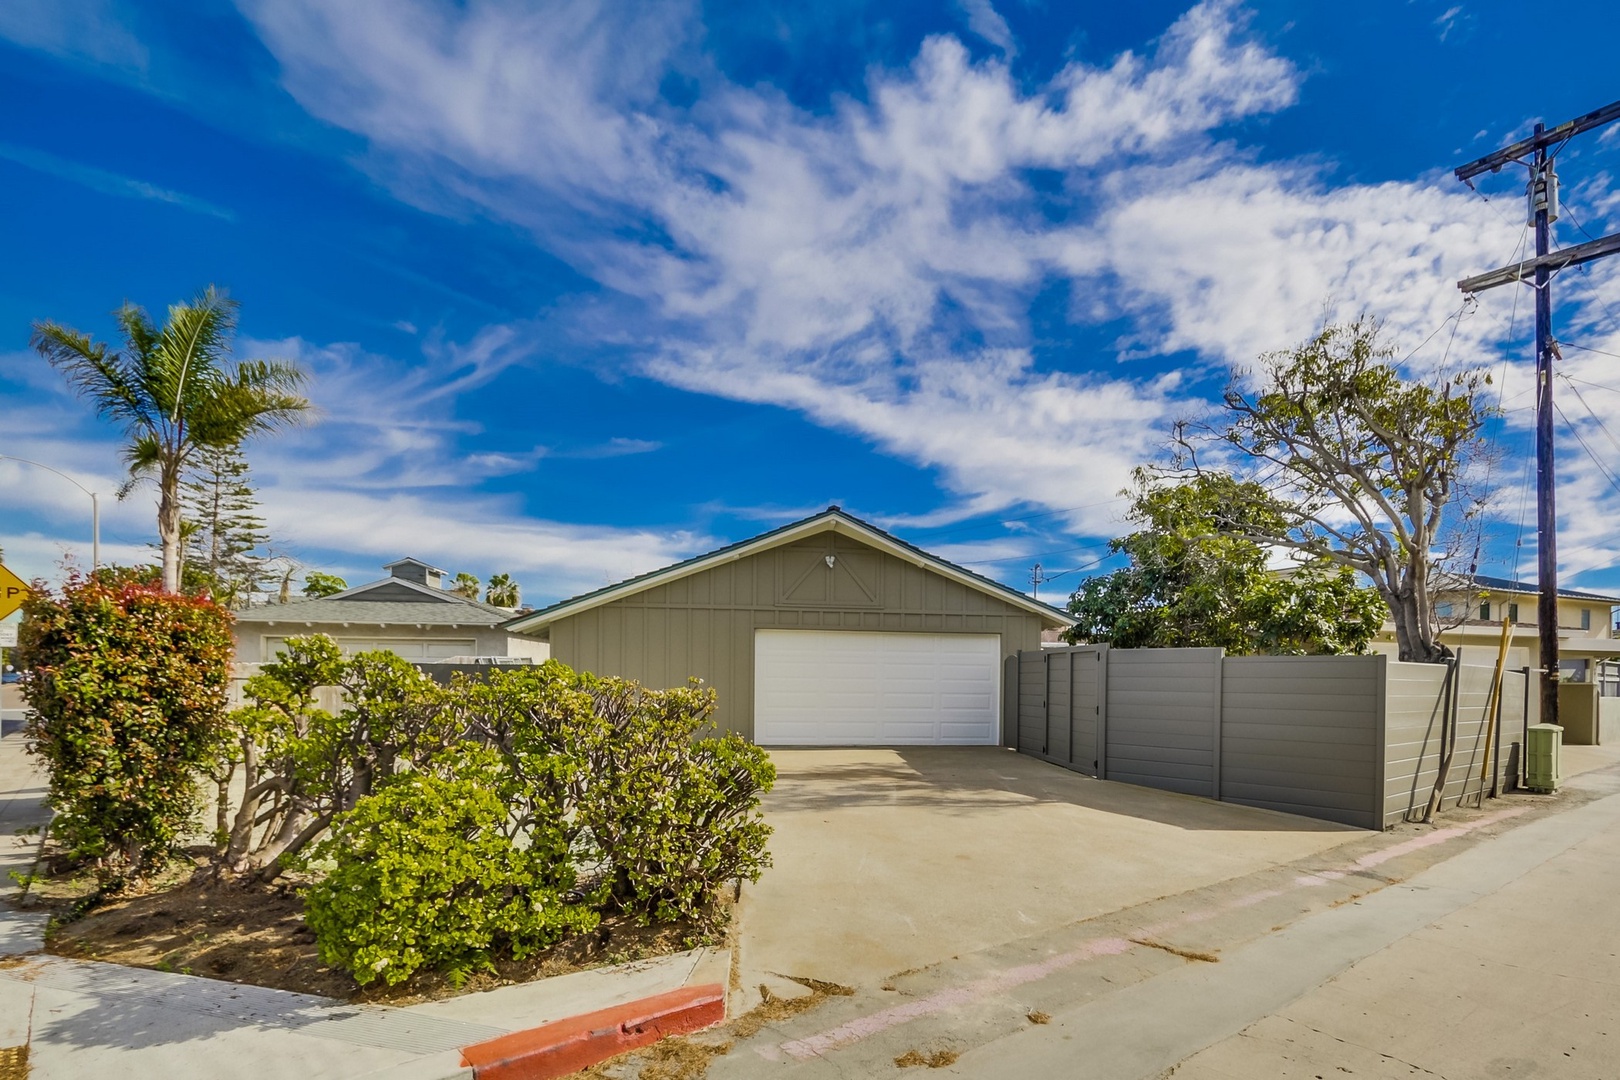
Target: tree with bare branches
1359,466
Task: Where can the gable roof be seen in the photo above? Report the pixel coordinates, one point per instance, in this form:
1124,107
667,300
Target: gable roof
409,561
832,519
332,611
425,606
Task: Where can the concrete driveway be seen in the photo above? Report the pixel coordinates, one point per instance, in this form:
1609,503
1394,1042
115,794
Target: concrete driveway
891,860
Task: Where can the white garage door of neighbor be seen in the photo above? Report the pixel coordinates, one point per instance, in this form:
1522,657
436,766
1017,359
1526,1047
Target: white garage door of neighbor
851,688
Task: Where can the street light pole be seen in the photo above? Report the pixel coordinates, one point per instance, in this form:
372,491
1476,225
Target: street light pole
95,506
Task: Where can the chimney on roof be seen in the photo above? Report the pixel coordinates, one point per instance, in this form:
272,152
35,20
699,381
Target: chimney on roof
415,570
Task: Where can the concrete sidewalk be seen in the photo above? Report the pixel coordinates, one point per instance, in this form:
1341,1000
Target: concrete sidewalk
82,1018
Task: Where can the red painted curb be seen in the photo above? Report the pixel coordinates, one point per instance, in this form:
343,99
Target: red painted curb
567,1046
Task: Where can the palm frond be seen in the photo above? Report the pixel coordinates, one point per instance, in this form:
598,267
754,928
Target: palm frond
110,380
187,354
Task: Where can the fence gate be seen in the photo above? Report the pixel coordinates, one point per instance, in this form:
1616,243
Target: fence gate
1062,705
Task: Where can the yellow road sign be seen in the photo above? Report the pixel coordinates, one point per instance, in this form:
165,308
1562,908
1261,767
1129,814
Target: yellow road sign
13,591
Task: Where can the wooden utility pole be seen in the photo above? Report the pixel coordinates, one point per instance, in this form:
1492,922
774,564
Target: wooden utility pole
1542,192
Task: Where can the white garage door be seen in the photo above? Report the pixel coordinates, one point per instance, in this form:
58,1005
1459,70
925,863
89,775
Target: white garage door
848,688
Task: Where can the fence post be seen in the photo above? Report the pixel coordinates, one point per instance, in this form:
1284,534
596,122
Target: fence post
1215,761
1046,701
1102,712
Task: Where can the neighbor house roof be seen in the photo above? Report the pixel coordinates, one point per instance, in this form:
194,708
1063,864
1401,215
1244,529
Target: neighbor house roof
334,610
409,561
832,519
1508,585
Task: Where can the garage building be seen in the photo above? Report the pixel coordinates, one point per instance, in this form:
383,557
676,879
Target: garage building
825,632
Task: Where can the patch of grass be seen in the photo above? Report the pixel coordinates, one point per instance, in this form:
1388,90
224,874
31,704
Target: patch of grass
773,1009
937,1060
1176,950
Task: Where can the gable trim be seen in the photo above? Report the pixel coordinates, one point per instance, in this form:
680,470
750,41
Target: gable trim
832,520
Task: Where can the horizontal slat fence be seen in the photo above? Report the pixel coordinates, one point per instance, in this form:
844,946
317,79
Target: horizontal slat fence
1351,739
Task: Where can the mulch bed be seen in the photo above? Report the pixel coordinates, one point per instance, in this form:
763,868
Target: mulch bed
256,934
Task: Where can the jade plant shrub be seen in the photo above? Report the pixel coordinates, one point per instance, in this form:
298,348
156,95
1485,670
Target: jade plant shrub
127,685
671,808
667,810
303,765
436,869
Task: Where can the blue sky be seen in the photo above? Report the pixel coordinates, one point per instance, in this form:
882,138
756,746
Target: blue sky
588,288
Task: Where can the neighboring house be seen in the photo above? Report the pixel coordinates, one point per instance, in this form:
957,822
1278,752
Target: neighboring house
1472,609
409,612
828,631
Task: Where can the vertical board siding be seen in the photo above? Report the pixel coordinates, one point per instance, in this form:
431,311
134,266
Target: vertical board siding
703,625
1162,716
1300,734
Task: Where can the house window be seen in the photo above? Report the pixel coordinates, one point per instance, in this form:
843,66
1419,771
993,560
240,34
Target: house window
1513,612
1485,611
1443,609
1586,618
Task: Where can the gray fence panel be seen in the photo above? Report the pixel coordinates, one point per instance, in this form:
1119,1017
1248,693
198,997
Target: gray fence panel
1060,705
1032,703
1163,714
1300,734
1085,676
1414,729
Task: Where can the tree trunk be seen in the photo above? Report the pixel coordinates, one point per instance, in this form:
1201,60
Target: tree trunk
1414,636
168,523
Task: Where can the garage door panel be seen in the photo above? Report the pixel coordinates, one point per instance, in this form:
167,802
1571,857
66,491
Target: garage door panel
843,688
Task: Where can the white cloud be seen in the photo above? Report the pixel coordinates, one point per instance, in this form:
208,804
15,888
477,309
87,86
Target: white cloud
873,267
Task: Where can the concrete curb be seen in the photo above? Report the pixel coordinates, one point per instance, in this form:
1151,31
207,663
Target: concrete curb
567,1046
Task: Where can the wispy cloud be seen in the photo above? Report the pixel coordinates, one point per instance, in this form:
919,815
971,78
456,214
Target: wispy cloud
985,21
379,473
90,30
108,183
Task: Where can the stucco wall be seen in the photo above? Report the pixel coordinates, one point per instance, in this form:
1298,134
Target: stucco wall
703,625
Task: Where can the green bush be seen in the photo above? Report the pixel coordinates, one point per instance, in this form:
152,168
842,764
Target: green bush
435,870
673,816
127,686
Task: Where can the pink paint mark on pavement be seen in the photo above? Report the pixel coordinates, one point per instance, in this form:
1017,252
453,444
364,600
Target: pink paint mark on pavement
866,1026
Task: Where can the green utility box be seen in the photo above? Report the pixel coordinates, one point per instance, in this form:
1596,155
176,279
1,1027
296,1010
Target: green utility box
1543,764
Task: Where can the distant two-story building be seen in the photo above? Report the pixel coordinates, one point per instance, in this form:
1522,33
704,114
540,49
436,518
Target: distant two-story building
1471,611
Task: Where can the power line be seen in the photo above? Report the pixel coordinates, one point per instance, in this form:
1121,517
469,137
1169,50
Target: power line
1607,475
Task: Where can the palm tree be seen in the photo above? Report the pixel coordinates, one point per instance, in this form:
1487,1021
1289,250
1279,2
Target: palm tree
175,391
502,592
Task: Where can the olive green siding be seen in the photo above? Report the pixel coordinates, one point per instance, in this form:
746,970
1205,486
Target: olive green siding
704,624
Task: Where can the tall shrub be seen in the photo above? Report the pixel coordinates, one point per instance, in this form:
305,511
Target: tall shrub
127,685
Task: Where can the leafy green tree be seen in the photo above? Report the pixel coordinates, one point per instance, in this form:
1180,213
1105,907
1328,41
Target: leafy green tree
503,592
466,585
175,391
317,584
223,531
1189,585
1363,465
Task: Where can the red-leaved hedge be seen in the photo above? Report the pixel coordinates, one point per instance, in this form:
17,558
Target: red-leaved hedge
128,686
